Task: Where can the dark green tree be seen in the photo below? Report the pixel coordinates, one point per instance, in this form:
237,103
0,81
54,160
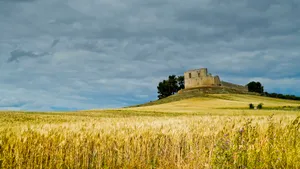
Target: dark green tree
163,89
180,80
171,86
255,87
281,96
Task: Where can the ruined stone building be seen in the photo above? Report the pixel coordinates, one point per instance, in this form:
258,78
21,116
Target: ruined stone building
200,78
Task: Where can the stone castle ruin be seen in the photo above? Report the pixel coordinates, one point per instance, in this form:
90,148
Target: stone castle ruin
200,78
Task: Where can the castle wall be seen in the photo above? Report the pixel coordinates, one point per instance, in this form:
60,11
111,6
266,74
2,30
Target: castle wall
199,78
217,80
203,72
235,86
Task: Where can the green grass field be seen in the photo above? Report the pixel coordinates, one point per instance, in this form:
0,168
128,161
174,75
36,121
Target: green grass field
215,131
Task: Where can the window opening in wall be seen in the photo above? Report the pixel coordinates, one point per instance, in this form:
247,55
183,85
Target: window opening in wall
190,75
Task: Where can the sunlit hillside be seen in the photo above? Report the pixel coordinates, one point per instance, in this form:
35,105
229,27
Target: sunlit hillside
217,102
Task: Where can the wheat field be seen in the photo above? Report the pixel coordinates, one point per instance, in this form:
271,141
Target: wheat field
213,132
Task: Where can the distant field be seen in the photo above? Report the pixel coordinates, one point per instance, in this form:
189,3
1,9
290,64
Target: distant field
217,131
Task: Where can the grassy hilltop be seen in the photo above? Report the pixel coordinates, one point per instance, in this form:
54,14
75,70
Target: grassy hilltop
217,103
195,130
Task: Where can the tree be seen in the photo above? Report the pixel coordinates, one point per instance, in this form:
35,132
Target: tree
255,87
258,88
163,89
281,96
171,86
180,80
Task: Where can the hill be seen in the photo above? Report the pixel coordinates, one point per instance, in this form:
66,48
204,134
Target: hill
199,102
197,92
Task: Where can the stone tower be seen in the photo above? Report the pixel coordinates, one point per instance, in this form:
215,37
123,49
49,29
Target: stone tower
200,78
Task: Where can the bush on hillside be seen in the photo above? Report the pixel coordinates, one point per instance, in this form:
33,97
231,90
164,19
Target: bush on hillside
251,106
260,106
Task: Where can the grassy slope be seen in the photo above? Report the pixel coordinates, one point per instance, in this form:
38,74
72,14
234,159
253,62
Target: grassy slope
192,93
214,102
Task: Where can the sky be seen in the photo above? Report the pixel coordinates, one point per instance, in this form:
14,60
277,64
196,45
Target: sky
75,54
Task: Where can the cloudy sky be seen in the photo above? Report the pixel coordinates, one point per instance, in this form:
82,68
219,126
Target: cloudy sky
83,54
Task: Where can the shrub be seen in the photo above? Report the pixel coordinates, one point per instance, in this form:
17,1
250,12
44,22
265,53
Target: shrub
251,106
260,106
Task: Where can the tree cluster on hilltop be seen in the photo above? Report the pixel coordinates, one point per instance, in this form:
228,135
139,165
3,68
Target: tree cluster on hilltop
281,96
170,86
257,87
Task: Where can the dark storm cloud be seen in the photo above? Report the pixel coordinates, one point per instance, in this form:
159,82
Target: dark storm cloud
17,54
54,43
